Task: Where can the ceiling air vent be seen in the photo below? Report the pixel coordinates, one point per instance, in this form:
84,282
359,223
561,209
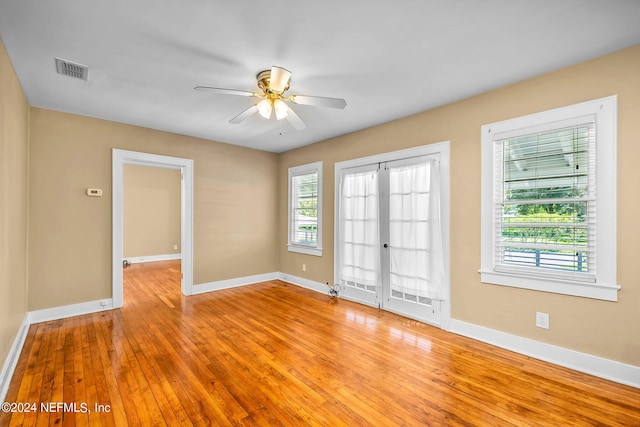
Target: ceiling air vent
72,69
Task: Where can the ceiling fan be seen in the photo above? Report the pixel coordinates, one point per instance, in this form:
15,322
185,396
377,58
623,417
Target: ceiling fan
273,84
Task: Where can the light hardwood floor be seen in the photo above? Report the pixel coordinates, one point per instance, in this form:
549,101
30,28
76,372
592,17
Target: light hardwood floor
275,354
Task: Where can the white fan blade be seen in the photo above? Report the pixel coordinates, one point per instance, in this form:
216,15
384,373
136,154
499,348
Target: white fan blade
295,120
226,91
244,115
279,79
318,101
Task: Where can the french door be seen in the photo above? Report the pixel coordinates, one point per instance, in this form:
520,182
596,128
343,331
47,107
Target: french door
390,251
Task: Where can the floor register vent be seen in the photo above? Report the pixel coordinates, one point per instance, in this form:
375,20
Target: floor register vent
71,69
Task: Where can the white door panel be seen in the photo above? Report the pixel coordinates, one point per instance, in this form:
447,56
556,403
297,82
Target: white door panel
406,261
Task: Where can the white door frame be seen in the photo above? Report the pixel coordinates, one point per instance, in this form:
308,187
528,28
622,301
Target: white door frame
119,159
443,149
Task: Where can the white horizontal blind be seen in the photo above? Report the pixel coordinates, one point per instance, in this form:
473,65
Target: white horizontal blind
545,199
304,209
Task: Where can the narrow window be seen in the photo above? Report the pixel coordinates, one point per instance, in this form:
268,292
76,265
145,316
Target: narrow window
305,209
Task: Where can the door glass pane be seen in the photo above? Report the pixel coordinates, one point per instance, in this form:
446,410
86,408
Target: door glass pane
359,232
409,188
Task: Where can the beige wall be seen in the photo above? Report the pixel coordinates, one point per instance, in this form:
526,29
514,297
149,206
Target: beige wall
70,234
151,211
607,329
14,124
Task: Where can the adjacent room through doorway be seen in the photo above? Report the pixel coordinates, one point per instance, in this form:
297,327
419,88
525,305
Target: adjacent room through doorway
151,213
183,168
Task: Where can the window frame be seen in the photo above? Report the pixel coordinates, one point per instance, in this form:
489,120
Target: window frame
308,249
604,111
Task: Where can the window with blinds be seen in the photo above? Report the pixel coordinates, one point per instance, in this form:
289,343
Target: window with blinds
549,201
545,200
305,183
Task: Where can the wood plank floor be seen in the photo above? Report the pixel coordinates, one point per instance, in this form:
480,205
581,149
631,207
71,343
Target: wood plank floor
275,354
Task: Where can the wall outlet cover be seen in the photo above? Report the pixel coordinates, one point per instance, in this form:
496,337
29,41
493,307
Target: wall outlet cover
542,320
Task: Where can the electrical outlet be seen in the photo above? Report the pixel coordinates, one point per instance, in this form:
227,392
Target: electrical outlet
304,267
542,320
175,247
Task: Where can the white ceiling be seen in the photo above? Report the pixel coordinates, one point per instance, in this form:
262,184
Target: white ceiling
387,58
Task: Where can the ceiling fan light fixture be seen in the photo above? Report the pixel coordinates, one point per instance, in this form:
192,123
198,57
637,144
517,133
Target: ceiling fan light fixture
265,108
282,109
273,84
279,79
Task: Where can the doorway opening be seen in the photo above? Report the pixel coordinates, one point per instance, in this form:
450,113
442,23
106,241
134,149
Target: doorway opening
151,227
185,166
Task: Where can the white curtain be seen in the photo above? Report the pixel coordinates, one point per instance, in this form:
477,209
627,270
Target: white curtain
416,251
359,230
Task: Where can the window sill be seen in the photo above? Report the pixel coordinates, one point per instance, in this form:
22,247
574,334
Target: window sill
579,289
305,250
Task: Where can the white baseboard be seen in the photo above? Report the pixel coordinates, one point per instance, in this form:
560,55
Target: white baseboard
63,312
233,283
582,362
152,258
304,283
12,358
